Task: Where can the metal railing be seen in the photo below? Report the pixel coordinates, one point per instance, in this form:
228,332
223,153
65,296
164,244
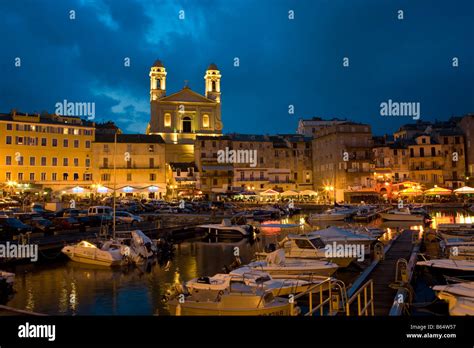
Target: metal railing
365,300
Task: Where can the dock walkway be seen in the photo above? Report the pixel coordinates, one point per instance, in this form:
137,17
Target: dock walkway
383,273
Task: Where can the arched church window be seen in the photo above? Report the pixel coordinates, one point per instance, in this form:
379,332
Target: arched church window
186,125
158,84
213,86
205,121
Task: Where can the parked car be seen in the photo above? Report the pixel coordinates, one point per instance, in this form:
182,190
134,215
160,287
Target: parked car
100,210
66,223
92,220
10,227
127,218
68,212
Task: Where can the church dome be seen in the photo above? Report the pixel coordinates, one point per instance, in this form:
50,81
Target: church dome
158,64
212,66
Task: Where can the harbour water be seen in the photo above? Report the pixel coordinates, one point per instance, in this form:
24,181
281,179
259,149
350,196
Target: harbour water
62,287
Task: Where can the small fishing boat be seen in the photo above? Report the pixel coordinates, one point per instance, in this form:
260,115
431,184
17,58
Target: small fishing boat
109,254
277,264
226,229
141,247
457,249
252,278
403,214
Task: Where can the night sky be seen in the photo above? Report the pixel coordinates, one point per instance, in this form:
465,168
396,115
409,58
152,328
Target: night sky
282,62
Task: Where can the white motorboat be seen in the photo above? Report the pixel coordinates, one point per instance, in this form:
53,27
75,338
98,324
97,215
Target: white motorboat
226,229
460,231
7,280
239,300
459,296
301,246
449,266
329,215
403,214
277,264
109,254
141,247
457,249
252,278
343,236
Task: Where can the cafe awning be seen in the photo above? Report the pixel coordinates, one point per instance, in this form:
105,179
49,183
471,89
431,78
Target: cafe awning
412,191
269,192
308,193
464,190
437,191
289,193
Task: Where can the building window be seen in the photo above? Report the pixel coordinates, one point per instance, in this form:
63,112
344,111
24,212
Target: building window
43,142
213,86
55,142
8,176
8,160
43,176
152,162
205,121
106,147
76,162
151,148
242,176
76,143
87,176
65,176
65,143
43,161
19,140
8,140
186,125
65,162
422,152
88,144
105,177
54,176
167,120
54,161
32,176
20,176
88,162
32,161
214,182
105,162
20,160
178,172
76,176
9,126
152,177
129,176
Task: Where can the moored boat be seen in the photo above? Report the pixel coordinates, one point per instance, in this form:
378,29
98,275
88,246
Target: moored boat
227,229
403,214
109,254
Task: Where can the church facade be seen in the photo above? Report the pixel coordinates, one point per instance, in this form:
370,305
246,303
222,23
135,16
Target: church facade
182,116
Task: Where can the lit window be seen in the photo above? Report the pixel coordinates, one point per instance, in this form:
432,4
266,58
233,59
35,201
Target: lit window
205,121
167,120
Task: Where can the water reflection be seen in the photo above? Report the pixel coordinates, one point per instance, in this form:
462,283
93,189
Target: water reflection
68,288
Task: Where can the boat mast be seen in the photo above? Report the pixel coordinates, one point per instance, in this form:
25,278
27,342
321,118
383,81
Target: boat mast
115,184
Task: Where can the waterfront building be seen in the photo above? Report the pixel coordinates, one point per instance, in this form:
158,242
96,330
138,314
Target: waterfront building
182,180
139,162
260,162
466,125
309,127
45,151
182,116
343,158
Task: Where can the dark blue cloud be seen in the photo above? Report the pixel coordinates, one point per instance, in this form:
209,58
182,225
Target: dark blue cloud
282,61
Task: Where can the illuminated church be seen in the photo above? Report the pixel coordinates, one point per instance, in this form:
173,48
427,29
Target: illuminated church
181,116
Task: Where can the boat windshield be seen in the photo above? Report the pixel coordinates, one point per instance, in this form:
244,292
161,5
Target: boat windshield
314,243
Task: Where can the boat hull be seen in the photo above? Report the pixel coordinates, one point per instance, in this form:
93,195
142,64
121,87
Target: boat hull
97,262
401,217
280,307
